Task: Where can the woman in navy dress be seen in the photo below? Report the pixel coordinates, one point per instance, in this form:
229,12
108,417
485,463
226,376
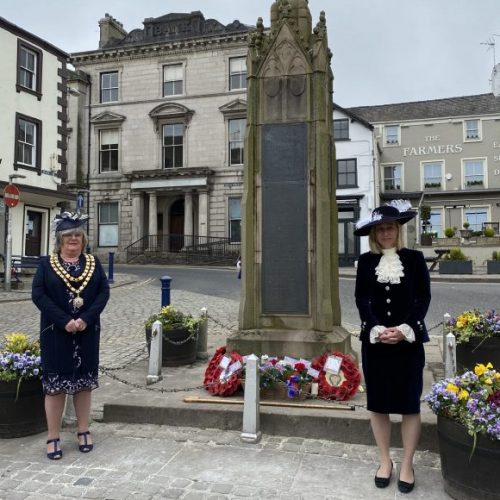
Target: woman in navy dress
392,295
71,290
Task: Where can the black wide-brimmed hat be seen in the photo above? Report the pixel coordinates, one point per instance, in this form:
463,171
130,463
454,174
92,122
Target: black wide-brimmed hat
395,211
69,220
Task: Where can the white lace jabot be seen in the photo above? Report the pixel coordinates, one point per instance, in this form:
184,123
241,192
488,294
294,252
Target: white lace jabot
390,268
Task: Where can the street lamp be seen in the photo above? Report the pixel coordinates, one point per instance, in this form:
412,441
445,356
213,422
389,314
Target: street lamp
8,242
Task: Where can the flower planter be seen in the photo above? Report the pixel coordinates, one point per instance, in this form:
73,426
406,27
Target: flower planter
279,392
493,266
466,479
178,347
478,350
426,239
23,417
455,267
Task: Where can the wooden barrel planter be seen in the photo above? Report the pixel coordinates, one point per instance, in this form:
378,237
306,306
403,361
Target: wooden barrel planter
24,416
465,479
478,350
178,347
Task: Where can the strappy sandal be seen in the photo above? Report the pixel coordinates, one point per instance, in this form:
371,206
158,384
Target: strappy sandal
86,447
57,453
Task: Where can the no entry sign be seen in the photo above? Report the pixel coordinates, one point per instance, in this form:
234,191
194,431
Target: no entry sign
11,195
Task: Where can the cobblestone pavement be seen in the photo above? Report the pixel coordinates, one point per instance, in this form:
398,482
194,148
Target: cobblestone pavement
156,462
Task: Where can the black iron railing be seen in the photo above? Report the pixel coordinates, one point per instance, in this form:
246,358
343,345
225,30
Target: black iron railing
189,249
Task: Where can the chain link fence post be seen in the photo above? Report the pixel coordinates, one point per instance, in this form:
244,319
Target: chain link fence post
154,374
201,346
450,367
446,329
251,405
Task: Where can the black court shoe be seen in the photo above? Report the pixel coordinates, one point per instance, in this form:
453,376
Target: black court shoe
57,453
383,482
405,487
86,446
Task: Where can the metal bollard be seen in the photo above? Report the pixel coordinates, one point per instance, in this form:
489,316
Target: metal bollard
446,329
154,374
450,367
111,263
201,343
165,290
251,405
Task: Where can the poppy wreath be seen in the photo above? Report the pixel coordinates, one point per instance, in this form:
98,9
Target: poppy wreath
212,382
349,371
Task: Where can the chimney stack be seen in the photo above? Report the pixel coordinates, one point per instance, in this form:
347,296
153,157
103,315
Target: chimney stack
111,29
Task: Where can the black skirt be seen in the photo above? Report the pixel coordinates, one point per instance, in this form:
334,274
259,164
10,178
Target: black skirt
393,376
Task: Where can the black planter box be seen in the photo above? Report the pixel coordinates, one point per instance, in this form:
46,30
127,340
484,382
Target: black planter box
455,267
478,350
178,347
493,266
426,239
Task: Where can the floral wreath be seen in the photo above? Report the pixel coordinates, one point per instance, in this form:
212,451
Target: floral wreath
212,382
339,387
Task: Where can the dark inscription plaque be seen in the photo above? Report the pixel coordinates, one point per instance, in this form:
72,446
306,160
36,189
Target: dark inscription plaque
284,219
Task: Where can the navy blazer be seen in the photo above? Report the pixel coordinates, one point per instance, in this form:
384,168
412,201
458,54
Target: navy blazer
50,295
389,304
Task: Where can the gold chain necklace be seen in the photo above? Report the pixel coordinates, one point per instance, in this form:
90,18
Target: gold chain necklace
85,277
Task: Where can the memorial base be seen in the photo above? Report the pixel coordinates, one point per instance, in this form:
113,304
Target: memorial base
306,344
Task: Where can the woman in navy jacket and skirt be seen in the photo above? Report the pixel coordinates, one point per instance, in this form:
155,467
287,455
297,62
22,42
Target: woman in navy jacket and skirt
71,290
392,295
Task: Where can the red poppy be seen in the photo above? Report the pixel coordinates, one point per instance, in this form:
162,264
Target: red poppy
212,382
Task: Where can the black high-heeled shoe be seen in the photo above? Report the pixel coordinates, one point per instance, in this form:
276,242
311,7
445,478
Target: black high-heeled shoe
405,487
86,446
57,453
383,482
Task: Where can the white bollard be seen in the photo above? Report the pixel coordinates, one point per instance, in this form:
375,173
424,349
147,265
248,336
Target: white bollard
446,329
201,343
450,367
251,406
155,355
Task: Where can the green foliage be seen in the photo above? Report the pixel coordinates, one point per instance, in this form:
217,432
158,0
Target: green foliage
455,253
425,212
172,319
449,232
466,224
495,255
489,232
19,343
19,358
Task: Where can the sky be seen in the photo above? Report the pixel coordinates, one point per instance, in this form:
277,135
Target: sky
384,51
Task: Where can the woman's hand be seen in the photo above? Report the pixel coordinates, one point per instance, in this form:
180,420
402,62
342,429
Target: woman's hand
391,336
80,324
71,326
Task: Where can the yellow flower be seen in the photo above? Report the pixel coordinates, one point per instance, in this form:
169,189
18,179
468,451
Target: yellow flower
479,369
463,394
497,375
452,388
459,324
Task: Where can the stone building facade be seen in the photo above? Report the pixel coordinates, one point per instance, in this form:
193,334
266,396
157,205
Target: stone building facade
33,137
444,153
158,118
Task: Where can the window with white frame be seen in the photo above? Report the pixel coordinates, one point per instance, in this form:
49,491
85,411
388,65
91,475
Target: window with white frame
436,221
341,129
234,223
29,68
347,173
108,224
433,174
391,134
173,145
173,80
475,217
474,176
237,73
392,177
108,150
472,130
109,86
236,141
28,141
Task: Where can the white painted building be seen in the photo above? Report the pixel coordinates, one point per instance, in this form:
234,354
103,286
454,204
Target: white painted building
33,136
356,159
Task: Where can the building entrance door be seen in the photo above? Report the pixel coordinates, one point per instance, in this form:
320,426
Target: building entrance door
348,243
176,226
33,235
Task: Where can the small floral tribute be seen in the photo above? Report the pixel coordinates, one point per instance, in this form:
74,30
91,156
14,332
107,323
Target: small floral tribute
471,399
223,373
339,377
474,323
19,359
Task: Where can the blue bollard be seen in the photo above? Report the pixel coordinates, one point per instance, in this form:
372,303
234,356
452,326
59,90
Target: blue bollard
165,290
111,262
